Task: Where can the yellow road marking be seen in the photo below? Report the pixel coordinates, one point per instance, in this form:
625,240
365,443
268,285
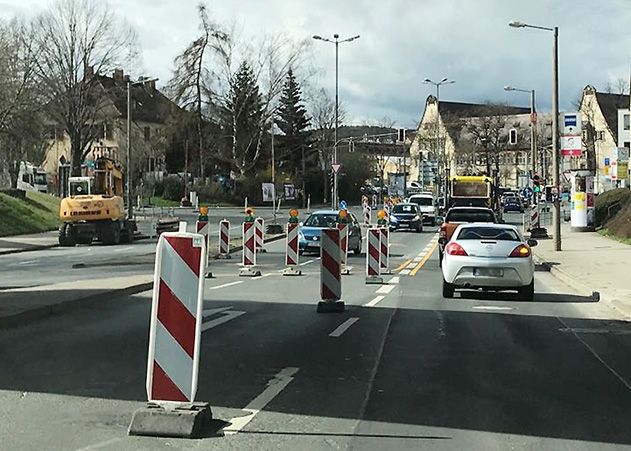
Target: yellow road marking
403,265
422,262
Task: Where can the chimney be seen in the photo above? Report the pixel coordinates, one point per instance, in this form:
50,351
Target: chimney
151,84
118,75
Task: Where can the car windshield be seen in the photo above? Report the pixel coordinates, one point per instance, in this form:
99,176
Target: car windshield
488,233
321,220
470,216
404,208
424,201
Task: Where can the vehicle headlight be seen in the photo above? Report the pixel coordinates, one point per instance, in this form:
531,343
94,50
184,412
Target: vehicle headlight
417,218
393,219
301,236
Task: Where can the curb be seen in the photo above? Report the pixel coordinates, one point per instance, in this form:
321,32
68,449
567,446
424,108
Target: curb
616,304
27,316
29,249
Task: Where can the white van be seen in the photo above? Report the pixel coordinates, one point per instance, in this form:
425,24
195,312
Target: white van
427,204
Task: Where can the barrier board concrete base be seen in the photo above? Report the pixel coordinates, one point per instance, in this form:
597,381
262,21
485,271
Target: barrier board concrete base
249,271
374,280
346,270
331,307
291,271
208,275
185,421
224,256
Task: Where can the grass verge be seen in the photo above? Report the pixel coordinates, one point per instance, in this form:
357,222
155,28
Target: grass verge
37,213
605,233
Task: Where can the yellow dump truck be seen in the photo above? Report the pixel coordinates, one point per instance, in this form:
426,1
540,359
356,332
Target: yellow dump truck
95,209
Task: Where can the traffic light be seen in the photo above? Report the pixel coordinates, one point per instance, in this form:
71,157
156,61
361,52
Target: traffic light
401,135
536,184
512,136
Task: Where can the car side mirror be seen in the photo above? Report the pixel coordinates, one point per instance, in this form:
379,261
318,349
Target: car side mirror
532,243
439,221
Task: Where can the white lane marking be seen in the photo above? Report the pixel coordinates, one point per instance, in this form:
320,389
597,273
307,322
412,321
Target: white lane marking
123,249
385,289
306,263
491,307
227,316
226,285
595,354
260,277
417,259
101,444
395,279
274,387
213,311
374,302
405,272
339,330
28,262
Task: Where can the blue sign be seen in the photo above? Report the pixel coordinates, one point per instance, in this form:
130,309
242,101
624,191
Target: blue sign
570,120
606,161
343,205
527,192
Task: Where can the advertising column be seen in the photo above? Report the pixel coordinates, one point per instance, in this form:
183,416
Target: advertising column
582,201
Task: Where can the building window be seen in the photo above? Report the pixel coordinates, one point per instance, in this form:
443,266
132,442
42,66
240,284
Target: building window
627,144
626,122
521,158
147,133
600,135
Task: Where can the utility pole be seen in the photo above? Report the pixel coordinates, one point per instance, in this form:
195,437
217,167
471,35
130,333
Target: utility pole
556,213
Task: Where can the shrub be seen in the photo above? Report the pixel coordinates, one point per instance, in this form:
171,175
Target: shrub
173,188
620,225
609,203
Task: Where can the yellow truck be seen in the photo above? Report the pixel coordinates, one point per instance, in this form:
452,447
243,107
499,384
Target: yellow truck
95,208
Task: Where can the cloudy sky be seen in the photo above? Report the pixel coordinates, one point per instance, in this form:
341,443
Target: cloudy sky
402,42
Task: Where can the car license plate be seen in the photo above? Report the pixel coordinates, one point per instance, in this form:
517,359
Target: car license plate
488,272
317,244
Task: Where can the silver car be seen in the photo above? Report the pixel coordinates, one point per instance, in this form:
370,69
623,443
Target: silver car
488,256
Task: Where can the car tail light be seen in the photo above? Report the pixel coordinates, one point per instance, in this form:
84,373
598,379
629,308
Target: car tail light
520,251
455,249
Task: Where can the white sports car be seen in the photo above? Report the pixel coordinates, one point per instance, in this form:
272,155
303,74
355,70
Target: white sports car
491,257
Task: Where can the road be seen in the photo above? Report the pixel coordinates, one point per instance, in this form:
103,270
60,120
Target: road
402,368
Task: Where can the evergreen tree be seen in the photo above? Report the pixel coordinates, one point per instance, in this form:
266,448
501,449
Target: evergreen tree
294,151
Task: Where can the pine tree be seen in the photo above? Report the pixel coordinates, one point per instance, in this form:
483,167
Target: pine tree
294,151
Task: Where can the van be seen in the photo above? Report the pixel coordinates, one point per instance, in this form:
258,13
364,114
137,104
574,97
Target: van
427,204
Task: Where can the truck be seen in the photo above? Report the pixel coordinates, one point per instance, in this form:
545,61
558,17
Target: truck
474,191
94,208
32,178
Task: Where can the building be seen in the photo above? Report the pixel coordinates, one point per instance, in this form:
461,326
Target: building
472,138
605,121
151,112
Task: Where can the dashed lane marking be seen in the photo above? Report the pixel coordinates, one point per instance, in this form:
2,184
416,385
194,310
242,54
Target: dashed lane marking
422,262
404,264
225,285
374,302
339,330
405,272
395,280
385,289
306,263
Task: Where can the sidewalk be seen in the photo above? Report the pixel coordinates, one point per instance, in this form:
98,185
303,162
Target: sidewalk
590,262
20,243
19,306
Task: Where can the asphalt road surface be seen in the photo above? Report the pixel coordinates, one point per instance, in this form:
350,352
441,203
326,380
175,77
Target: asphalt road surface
402,368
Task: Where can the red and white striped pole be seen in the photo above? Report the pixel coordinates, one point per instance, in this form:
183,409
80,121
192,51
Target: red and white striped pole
367,215
384,241
249,250
373,256
224,239
259,231
291,253
330,272
343,228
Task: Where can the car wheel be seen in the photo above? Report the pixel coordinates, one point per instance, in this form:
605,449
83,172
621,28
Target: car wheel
527,293
448,290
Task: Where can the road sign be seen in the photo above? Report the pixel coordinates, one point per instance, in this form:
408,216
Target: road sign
527,192
343,205
336,168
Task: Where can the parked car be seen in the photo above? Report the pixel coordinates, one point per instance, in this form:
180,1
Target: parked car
406,215
459,215
491,257
513,204
309,236
427,204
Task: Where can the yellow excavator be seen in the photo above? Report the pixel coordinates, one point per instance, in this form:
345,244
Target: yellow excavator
95,208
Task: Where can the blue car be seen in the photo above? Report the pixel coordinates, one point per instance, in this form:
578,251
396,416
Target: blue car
513,204
309,237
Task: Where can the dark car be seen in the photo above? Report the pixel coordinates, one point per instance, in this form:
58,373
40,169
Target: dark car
406,216
309,237
513,204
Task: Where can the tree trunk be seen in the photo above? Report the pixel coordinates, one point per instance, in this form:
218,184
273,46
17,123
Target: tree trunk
76,153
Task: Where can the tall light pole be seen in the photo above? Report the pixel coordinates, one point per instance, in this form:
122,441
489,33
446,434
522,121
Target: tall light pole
444,81
336,40
130,203
556,211
533,124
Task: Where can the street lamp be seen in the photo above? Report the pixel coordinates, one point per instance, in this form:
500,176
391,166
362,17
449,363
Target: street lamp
556,211
444,81
533,123
336,40
142,81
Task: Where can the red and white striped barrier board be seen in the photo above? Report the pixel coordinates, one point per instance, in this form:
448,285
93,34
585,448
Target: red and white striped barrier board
330,265
367,215
373,253
534,217
260,227
224,237
291,255
249,246
343,228
203,229
384,259
176,316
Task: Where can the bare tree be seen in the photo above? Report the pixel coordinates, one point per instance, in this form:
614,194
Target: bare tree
77,40
192,82
487,132
618,86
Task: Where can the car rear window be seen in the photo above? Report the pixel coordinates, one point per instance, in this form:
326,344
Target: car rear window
488,233
404,209
422,201
470,216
